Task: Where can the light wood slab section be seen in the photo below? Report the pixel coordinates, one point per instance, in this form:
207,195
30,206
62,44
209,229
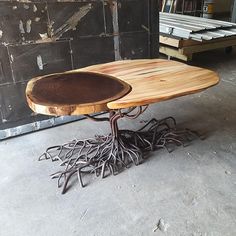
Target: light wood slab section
73,93
155,80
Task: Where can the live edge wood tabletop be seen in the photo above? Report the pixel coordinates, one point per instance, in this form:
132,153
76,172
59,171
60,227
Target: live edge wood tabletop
116,85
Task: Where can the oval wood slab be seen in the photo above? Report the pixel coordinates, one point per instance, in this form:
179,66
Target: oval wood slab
73,93
155,80
151,80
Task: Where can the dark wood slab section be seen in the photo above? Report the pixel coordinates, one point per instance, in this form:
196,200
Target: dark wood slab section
74,93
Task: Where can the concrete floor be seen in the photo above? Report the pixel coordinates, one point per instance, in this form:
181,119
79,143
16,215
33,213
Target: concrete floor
192,189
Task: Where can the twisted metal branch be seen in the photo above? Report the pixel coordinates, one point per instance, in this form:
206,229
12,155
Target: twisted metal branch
108,155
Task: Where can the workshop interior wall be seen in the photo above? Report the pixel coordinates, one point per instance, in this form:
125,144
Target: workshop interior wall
43,37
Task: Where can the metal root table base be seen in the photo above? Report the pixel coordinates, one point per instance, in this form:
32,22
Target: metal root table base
106,155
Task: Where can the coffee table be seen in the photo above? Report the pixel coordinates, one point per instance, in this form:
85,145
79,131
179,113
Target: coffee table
124,89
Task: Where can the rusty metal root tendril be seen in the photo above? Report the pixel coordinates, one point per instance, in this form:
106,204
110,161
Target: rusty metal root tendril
108,155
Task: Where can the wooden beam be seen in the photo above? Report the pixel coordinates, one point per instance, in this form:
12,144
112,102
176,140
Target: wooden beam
208,46
176,53
171,6
173,42
163,6
179,43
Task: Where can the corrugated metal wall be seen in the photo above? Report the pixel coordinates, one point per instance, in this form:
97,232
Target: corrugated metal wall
42,37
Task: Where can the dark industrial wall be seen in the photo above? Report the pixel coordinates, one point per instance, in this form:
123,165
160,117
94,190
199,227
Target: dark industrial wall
42,37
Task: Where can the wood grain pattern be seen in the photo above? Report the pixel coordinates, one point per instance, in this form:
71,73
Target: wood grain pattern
151,80
155,80
74,93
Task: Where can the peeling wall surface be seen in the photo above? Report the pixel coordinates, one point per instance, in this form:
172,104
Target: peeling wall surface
43,37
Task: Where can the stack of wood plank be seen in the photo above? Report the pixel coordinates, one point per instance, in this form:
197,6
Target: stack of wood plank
181,35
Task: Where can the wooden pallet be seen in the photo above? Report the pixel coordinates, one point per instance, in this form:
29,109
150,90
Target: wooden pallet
184,49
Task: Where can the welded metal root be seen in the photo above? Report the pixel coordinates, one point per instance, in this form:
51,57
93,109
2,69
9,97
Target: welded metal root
102,156
109,155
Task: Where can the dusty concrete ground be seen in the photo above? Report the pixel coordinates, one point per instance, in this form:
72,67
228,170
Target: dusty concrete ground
192,189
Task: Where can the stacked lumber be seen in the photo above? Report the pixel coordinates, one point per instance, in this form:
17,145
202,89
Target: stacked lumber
181,36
